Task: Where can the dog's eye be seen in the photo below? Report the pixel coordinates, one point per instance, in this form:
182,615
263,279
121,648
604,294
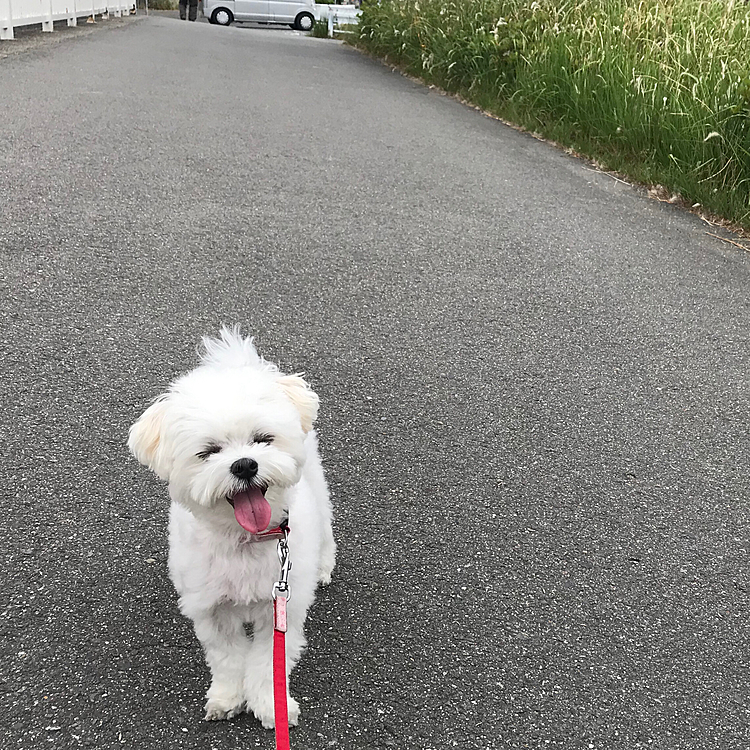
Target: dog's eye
263,439
210,450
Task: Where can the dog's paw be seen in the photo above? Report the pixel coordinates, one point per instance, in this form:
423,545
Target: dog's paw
324,577
264,712
223,706
325,568
292,708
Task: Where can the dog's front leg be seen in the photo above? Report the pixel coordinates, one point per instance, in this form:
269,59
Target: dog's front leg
259,664
222,635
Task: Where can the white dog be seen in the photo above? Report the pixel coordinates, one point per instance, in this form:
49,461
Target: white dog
234,440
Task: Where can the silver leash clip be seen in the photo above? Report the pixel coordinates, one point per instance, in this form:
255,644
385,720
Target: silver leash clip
281,587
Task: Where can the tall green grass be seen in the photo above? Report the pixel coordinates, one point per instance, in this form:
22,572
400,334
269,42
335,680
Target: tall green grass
657,89
320,29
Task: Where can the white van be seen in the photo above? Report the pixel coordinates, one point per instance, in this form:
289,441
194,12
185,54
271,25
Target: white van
299,14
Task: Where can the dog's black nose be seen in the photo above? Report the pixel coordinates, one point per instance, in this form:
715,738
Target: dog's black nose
244,468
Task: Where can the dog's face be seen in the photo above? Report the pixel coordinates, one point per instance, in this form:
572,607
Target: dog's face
229,440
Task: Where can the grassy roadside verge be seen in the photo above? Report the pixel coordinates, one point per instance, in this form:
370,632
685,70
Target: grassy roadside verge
658,90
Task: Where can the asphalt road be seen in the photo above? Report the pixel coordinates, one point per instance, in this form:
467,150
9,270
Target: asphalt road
535,404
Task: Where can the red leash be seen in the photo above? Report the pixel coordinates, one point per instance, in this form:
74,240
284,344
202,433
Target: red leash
281,595
279,674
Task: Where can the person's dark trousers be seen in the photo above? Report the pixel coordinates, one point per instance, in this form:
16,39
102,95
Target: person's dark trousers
193,9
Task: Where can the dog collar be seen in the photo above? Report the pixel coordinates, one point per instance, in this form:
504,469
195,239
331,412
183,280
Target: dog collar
278,532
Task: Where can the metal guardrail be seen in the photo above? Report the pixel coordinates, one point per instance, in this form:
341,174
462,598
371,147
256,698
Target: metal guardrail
337,15
45,12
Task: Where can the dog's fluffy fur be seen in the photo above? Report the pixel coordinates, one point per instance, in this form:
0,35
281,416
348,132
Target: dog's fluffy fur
237,406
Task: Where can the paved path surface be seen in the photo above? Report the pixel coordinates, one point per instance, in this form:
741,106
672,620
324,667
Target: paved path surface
535,395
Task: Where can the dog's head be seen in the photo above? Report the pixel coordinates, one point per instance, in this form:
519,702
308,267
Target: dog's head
229,436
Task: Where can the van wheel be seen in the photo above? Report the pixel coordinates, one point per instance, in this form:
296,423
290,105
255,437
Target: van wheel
222,16
304,22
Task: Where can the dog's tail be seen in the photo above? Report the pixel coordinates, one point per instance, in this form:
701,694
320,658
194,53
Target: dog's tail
231,349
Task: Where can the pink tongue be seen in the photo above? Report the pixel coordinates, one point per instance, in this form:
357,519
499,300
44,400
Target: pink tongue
252,510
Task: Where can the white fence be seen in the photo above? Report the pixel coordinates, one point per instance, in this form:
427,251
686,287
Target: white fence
46,12
336,15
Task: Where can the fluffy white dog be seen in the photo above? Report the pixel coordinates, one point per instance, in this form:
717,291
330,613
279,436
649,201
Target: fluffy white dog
234,439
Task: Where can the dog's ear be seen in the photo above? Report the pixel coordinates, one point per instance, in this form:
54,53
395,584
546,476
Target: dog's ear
303,397
146,438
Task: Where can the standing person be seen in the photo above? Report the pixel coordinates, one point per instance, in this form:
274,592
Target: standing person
193,9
